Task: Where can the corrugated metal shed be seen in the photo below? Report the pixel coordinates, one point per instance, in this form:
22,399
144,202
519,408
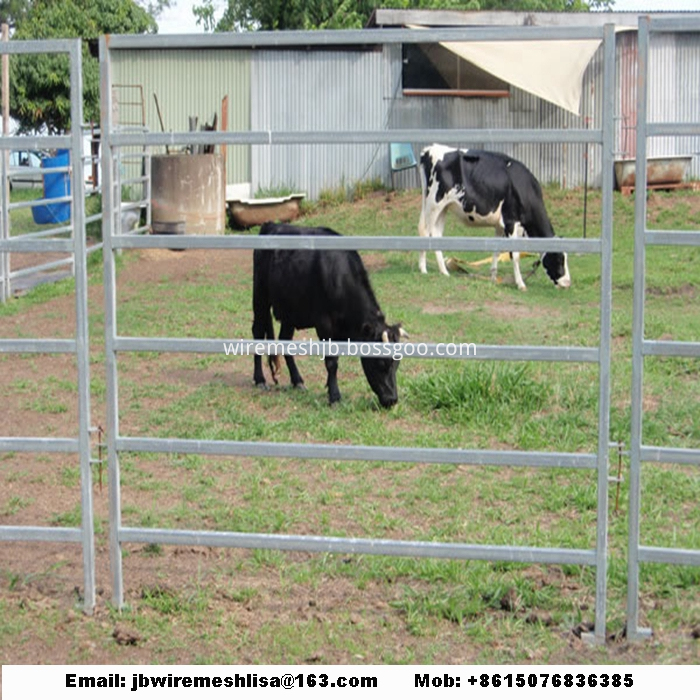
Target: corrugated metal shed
317,90
192,83
358,88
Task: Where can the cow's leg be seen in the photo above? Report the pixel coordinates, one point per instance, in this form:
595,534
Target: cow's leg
441,263
518,232
324,330
287,333
438,229
500,233
423,232
258,374
432,225
332,381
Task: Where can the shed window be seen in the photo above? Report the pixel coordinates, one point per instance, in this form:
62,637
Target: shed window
431,69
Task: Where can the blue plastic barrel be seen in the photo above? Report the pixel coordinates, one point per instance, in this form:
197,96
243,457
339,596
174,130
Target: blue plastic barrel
55,185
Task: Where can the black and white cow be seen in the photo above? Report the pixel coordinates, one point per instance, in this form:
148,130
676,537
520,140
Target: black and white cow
485,189
328,290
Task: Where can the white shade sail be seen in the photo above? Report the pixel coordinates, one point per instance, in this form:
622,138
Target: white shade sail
552,70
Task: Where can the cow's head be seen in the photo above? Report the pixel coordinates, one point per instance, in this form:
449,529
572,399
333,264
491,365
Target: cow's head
557,267
381,371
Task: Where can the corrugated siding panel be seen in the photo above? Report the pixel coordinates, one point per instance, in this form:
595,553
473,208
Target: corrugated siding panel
663,91
688,91
317,91
190,83
674,91
626,99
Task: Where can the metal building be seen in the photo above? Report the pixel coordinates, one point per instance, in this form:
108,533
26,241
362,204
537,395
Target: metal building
317,88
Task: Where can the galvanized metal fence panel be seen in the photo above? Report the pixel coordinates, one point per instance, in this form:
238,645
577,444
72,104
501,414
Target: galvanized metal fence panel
651,124
352,133
78,346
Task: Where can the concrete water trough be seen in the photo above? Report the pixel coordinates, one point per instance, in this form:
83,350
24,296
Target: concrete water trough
663,172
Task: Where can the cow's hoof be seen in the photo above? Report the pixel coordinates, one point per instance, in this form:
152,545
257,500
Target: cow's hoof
523,288
300,386
262,386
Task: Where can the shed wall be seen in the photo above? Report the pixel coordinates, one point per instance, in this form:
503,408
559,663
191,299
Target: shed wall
674,93
328,90
190,83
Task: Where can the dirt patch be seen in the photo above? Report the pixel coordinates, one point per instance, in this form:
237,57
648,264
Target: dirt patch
685,291
499,310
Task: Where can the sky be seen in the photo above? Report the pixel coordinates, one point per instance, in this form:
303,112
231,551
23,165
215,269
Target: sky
180,20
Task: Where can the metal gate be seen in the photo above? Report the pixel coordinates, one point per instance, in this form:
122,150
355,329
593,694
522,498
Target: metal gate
596,462
50,242
641,347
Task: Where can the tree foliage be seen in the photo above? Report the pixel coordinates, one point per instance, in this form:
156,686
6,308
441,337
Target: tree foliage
346,14
40,84
13,11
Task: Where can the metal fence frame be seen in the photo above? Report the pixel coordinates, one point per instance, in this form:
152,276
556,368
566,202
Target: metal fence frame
6,274
641,347
79,346
115,344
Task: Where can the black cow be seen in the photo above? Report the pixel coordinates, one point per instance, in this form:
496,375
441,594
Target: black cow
323,289
485,189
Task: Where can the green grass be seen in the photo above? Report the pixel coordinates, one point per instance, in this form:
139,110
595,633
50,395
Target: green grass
501,612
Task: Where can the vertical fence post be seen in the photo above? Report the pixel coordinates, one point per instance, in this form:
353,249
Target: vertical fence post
640,204
108,226
605,333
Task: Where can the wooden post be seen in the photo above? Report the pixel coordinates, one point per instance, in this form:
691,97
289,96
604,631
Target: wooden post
224,127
